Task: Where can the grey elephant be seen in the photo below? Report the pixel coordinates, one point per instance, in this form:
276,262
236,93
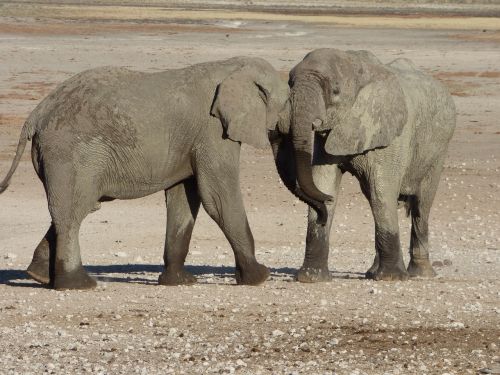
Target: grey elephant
112,133
389,126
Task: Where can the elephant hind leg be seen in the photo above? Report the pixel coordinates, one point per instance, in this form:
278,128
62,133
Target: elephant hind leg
183,203
38,269
70,198
420,208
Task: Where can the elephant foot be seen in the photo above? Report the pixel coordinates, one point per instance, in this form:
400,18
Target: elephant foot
421,268
176,277
252,275
370,274
389,273
313,275
76,279
38,270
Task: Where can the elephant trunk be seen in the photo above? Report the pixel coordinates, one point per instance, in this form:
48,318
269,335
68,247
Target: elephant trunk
307,107
284,158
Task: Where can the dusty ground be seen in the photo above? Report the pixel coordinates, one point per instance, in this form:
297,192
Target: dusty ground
448,325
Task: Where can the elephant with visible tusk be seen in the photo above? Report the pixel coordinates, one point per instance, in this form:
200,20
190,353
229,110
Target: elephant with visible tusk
387,124
111,133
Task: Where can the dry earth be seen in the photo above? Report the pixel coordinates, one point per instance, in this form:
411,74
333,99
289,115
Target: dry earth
447,325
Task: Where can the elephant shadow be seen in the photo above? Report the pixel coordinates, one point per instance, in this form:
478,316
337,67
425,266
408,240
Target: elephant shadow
141,274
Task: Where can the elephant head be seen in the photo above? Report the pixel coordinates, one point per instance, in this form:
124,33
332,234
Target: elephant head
254,107
249,101
350,95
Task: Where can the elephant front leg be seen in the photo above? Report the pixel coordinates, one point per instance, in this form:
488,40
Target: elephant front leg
315,267
183,203
221,198
38,269
387,244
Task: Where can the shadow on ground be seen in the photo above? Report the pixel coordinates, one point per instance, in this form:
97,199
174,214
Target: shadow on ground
141,273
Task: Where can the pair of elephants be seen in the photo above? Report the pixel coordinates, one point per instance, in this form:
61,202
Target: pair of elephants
112,133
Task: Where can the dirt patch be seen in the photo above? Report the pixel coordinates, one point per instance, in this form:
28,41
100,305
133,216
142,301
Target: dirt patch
76,28
41,88
487,74
19,96
484,36
462,83
29,91
11,120
460,88
36,89
162,14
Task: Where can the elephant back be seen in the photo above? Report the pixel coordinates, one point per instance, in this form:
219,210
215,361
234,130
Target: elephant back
80,95
429,102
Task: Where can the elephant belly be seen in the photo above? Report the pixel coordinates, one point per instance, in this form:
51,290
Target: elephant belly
130,184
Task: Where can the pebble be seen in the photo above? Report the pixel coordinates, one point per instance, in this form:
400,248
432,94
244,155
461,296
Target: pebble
241,363
304,347
458,325
447,262
334,342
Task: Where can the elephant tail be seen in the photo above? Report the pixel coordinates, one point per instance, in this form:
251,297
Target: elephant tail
26,135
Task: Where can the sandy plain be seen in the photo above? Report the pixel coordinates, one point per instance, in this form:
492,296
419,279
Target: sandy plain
447,325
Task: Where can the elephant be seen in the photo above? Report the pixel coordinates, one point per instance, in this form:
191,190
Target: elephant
112,133
388,125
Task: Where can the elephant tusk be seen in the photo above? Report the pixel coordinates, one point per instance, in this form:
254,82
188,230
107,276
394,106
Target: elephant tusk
316,124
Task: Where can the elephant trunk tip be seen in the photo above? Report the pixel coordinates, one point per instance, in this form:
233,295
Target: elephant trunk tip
305,178
319,207
322,214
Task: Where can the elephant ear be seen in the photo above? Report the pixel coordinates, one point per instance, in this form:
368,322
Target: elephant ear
377,116
241,105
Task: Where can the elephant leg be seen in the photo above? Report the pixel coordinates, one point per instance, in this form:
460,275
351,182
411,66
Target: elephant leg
39,266
420,207
365,188
370,274
183,203
221,198
327,178
69,203
383,202
38,269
